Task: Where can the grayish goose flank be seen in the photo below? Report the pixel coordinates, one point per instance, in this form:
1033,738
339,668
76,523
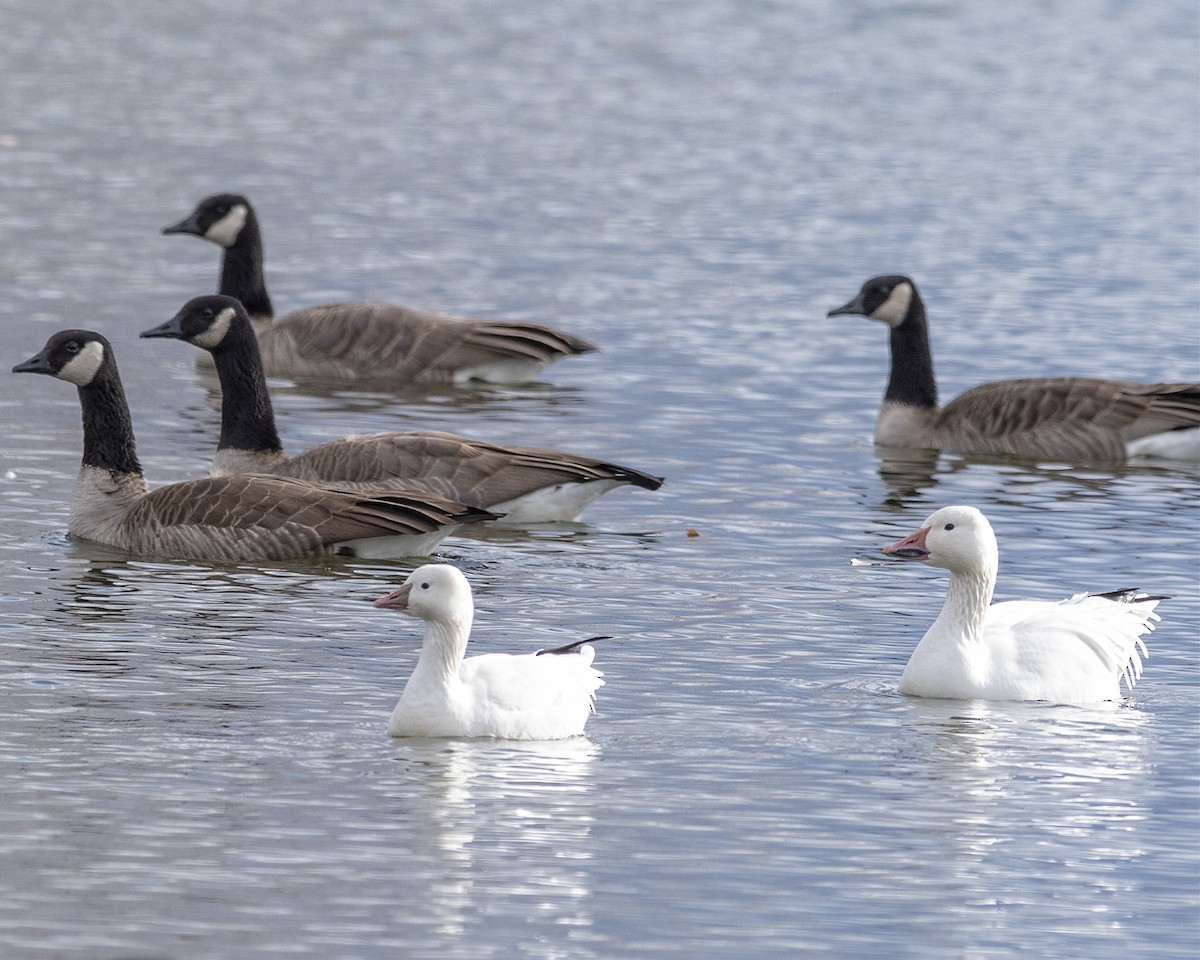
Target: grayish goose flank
227,519
1080,419
376,342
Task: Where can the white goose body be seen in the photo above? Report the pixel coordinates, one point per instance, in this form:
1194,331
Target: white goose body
356,340
526,485
503,696
1073,651
1083,419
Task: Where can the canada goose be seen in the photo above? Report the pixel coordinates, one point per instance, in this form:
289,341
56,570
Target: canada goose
1069,651
1071,418
502,695
367,341
526,484
223,519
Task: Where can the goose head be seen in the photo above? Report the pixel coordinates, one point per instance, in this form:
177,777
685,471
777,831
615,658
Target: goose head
76,356
219,219
436,591
958,539
208,322
885,298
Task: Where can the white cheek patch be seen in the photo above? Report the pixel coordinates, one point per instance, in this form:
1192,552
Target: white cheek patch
216,331
894,309
82,367
226,230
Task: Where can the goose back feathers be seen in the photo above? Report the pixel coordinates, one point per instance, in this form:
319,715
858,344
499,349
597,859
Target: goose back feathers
226,518
1076,650
527,484
1073,418
367,341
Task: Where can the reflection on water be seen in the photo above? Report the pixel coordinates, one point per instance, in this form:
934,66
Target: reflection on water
906,473
1012,785
502,820
912,476
975,746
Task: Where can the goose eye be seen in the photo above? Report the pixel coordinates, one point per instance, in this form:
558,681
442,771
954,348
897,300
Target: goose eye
949,526
208,314
71,346
424,586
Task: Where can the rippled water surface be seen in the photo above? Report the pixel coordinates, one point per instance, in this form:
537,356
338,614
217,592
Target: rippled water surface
194,759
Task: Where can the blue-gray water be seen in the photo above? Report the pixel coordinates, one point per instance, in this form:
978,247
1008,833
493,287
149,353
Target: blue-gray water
194,759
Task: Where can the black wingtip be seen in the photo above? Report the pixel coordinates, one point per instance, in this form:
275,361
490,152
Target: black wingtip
578,346
647,481
1128,595
571,647
478,515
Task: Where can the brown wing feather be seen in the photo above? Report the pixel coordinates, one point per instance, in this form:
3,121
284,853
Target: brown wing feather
1068,417
1169,406
357,340
248,517
472,471
504,338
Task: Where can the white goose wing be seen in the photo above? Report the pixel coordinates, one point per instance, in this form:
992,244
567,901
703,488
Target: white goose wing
1072,651
531,697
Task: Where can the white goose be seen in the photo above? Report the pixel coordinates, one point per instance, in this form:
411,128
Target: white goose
546,695
1070,651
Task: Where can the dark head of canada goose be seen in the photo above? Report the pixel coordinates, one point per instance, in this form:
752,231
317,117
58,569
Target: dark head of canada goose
527,484
358,340
1082,419
228,220
212,322
886,298
222,218
85,359
893,299
219,325
229,518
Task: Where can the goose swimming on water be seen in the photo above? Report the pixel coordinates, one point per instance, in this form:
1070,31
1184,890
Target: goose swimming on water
367,341
1047,418
225,519
525,484
534,696
1074,651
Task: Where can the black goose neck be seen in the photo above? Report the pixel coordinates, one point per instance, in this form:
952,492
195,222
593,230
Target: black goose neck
242,274
247,418
911,382
108,441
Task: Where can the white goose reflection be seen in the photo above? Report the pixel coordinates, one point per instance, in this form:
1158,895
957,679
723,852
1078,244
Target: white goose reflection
1018,787
504,821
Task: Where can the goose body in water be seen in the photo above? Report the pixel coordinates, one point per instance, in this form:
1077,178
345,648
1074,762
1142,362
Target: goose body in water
225,519
1080,419
377,342
536,696
1073,651
526,484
